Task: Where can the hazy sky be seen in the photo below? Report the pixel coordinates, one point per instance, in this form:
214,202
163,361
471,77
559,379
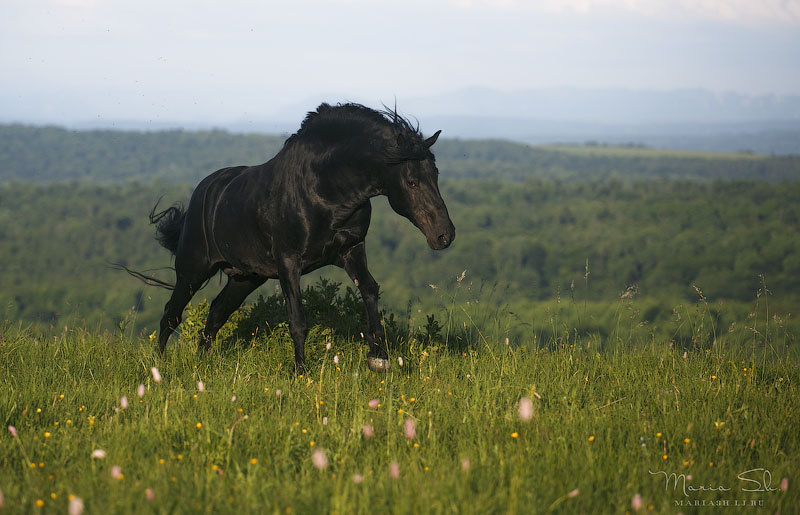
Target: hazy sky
194,60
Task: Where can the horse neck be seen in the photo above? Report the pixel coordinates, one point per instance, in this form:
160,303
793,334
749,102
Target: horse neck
347,185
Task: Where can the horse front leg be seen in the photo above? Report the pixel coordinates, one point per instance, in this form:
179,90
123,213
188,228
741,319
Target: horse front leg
354,262
289,275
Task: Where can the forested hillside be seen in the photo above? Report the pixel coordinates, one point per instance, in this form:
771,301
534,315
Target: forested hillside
54,154
535,226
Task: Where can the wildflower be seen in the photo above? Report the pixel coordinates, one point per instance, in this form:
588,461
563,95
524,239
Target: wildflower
38,410
311,443
69,421
198,425
324,421
98,454
784,484
394,470
658,435
116,472
278,393
465,464
336,360
514,435
409,429
12,430
253,461
39,503
665,457
573,493
687,440
123,402
149,494
591,438
718,424
233,399
156,375
319,459
200,386
46,434
328,346
400,360
685,354
140,391
367,429
75,506
358,479
373,403
525,411
636,502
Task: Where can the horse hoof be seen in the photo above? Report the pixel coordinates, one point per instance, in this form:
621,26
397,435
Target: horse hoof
377,364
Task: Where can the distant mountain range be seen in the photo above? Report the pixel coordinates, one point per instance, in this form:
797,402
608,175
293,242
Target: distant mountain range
681,119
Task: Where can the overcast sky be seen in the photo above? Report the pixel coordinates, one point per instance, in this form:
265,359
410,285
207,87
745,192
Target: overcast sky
192,60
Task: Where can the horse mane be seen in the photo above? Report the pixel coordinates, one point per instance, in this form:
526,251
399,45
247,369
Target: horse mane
406,142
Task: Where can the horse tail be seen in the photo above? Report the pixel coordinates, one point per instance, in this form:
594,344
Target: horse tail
147,279
169,225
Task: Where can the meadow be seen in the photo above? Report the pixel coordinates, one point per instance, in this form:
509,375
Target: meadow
614,330
464,422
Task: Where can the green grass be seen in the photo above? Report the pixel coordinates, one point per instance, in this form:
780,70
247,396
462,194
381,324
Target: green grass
601,422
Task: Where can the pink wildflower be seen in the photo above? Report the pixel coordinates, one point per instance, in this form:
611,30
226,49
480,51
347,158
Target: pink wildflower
116,472
156,375
373,403
319,459
98,454
149,494
75,506
123,402
140,391
12,430
637,503
409,428
525,411
368,433
394,470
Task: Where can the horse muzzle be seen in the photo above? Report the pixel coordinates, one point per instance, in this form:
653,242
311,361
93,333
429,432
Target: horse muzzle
442,239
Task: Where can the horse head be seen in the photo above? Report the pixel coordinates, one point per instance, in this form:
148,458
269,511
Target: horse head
412,185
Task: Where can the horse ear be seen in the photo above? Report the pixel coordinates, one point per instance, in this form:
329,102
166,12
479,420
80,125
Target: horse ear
430,141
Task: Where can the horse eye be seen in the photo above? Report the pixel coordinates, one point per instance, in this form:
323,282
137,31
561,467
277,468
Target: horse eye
412,184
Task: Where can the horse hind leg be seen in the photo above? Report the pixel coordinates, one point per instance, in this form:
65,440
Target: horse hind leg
185,288
229,299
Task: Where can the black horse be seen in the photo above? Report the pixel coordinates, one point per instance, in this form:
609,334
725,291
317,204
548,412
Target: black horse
307,207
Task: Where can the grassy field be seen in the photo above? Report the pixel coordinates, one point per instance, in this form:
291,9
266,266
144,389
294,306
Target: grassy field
474,428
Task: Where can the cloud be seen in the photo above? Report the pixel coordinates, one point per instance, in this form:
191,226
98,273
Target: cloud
740,12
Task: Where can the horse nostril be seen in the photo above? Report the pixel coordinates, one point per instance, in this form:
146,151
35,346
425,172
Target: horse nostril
444,240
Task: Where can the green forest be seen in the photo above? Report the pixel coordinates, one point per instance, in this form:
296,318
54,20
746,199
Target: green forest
545,234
